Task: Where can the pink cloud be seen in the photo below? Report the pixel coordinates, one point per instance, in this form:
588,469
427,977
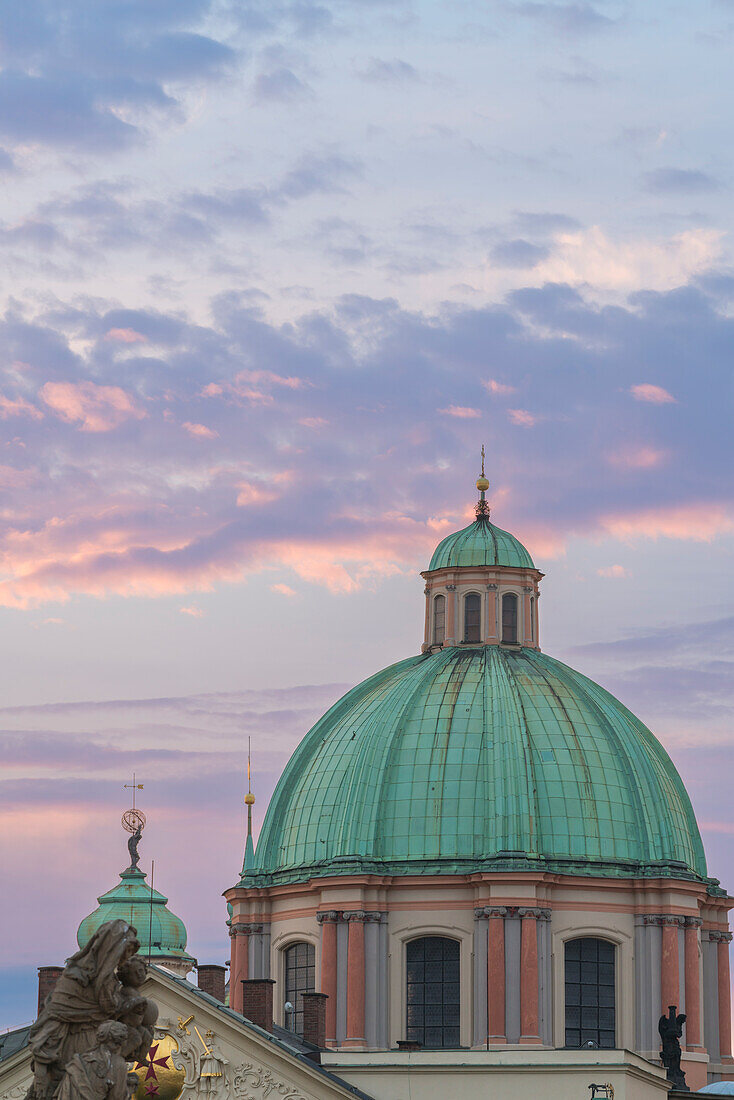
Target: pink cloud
461,412
125,336
656,395
283,589
97,408
615,572
199,431
498,387
313,422
698,522
18,407
252,493
13,478
194,612
522,417
638,458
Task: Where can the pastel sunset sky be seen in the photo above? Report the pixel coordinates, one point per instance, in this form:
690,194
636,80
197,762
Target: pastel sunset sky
272,272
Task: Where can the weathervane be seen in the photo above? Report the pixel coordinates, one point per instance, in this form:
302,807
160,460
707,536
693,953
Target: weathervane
133,821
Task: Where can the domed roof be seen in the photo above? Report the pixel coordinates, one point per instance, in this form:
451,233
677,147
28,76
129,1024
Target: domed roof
481,543
133,901
470,759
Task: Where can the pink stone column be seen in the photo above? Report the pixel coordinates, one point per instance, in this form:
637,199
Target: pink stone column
724,996
492,635
450,614
529,997
328,923
496,977
669,965
238,969
693,985
355,980
526,618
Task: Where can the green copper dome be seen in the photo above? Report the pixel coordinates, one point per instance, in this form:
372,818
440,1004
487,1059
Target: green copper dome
156,925
481,543
470,759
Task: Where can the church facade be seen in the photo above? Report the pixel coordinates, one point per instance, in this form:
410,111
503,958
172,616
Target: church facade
479,850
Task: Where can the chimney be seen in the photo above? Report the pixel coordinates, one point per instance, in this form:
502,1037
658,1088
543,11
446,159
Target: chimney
47,979
314,1019
257,1001
211,980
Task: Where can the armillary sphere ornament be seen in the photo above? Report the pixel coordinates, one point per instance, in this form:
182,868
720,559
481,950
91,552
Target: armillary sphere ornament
132,820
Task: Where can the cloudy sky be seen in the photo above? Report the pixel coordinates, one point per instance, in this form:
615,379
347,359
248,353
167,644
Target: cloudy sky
272,271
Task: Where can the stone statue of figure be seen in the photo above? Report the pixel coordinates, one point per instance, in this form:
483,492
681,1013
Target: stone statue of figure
212,1070
88,993
101,1073
671,1030
137,1012
132,847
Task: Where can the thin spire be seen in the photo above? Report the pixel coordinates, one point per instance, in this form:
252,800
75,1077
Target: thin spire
249,862
482,509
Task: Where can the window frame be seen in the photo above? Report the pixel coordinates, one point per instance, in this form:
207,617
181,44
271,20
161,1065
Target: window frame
465,639
578,988
435,639
295,1021
452,1005
516,601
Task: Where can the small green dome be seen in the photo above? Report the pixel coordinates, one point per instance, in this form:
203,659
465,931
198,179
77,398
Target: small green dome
481,543
471,759
131,901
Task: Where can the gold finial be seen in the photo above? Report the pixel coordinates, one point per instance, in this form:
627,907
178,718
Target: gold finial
482,482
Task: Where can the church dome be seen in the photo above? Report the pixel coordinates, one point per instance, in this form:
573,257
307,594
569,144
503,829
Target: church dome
478,758
161,933
480,544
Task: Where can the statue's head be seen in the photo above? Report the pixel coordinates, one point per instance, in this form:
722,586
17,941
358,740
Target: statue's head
132,971
112,1034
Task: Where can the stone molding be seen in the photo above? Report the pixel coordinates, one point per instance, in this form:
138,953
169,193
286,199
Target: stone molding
513,912
362,915
663,918
450,587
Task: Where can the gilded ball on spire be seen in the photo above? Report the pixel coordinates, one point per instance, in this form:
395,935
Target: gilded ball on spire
482,484
249,799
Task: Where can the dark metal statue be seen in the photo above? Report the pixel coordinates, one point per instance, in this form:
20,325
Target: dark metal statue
671,1030
132,847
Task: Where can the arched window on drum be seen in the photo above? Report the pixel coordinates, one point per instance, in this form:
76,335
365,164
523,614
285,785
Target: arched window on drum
509,619
300,978
439,619
472,617
590,993
433,1003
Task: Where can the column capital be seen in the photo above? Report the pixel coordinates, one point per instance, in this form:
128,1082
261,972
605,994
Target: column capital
720,937
245,929
363,915
490,911
328,916
533,913
664,918
693,922
450,587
